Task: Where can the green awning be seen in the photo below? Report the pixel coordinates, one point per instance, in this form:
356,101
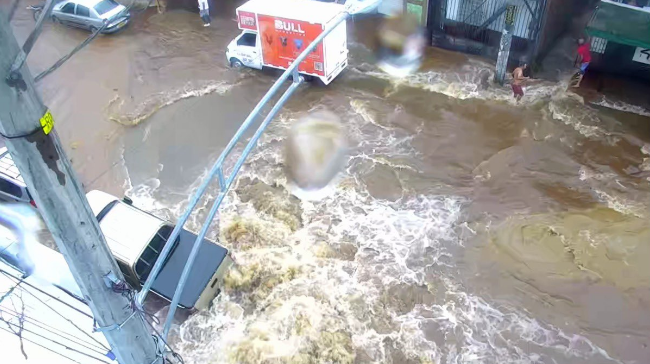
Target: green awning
621,24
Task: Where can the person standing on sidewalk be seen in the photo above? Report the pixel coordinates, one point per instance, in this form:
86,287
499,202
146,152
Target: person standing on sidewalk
584,58
204,12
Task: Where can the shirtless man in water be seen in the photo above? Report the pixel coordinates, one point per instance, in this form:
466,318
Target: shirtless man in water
517,80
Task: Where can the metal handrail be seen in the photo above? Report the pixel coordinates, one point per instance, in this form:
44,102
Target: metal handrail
225,183
353,7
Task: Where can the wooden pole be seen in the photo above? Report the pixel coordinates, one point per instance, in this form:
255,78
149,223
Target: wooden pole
38,154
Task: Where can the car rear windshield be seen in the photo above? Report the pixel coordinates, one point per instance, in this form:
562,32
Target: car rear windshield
10,188
152,251
105,6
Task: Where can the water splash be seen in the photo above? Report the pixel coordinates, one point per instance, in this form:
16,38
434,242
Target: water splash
352,282
622,106
354,278
470,81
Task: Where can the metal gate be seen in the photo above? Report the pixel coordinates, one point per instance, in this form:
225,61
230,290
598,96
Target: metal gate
476,25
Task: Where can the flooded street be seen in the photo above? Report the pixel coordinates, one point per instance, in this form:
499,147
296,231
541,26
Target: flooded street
465,228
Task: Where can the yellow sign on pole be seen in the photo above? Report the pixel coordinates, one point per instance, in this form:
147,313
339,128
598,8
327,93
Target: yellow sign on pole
47,122
510,14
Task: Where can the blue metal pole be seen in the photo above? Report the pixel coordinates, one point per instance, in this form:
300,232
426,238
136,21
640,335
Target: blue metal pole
218,166
215,206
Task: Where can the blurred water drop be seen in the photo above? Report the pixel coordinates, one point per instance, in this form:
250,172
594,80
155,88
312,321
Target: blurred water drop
19,224
401,43
315,152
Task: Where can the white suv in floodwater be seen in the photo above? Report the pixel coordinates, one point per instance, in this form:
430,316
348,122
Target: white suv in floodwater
136,239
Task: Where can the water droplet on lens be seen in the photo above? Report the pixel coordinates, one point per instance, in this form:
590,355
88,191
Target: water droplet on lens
314,153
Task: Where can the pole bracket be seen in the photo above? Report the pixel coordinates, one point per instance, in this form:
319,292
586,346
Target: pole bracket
114,326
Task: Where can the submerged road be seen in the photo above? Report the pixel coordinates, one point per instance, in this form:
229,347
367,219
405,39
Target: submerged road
466,228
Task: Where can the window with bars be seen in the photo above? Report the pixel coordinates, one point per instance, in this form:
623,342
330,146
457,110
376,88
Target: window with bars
598,45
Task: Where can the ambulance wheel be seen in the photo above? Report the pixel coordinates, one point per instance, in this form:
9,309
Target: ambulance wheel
308,78
235,63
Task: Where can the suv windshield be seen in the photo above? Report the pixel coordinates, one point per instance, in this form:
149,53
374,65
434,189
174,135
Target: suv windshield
152,251
105,6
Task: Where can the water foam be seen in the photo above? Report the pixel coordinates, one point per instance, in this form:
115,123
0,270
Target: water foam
471,81
614,198
622,106
570,109
499,334
149,107
359,279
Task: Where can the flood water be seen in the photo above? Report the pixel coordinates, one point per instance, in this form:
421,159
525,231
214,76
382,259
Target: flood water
465,229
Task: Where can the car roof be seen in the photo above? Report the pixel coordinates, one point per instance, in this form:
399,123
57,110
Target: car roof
127,229
87,3
8,168
305,10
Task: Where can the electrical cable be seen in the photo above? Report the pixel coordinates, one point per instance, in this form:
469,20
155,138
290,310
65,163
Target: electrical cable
56,342
76,49
102,353
25,135
21,135
44,347
125,289
58,313
32,321
120,287
10,291
45,293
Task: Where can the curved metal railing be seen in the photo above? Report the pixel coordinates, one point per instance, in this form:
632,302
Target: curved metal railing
356,7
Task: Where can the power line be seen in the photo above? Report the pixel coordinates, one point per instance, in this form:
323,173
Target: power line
44,347
81,343
79,47
57,312
45,293
55,342
45,326
10,291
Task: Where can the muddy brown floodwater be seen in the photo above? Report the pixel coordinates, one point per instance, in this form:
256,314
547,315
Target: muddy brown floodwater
465,228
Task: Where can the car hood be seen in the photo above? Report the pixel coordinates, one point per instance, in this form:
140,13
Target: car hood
113,13
207,261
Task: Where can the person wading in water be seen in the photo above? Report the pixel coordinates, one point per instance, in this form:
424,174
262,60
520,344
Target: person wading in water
583,59
517,81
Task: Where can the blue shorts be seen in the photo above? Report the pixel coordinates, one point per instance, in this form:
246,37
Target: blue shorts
583,67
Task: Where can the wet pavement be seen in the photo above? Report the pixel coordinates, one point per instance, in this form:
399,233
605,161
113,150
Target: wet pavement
465,229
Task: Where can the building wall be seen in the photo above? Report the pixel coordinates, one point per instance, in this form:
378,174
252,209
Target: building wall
475,26
557,19
475,12
617,59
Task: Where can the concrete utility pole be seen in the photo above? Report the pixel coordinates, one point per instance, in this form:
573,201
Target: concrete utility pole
27,125
504,45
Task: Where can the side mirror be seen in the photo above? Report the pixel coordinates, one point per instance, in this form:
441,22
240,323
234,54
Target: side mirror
127,200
